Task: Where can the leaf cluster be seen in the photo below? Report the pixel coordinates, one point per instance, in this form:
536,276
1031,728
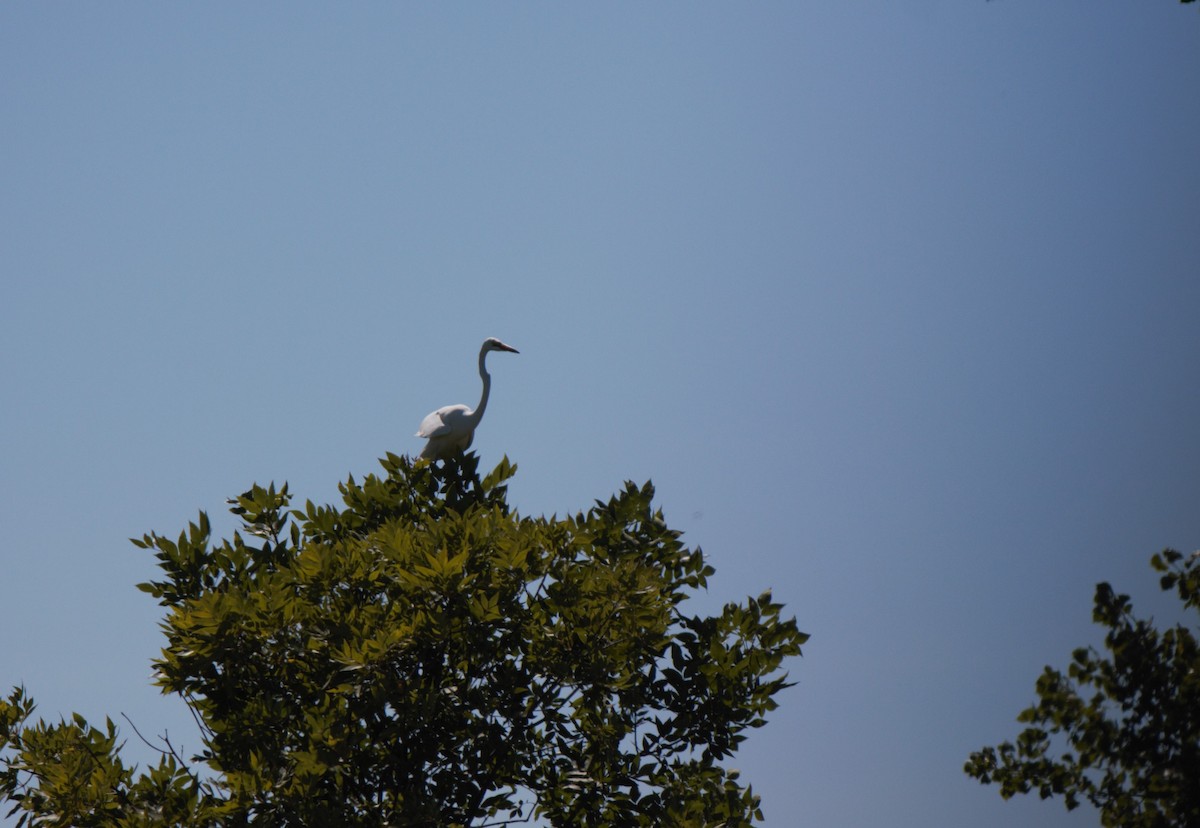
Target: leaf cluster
423,655
1130,718
70,774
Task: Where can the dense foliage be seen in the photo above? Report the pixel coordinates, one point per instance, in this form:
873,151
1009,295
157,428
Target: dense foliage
426,656
1133,742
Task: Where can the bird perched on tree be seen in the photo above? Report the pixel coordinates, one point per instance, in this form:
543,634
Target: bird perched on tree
451,428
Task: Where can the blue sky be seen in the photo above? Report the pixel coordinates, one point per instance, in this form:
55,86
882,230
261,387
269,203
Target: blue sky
896,303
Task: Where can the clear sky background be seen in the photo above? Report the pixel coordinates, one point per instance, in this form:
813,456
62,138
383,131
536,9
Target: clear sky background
897,303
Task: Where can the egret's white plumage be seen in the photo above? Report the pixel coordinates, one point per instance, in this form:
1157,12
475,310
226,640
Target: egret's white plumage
451,428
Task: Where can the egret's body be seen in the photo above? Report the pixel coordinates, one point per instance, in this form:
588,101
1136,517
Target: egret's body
451,428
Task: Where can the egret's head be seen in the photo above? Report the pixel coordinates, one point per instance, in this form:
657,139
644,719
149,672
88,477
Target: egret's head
493,344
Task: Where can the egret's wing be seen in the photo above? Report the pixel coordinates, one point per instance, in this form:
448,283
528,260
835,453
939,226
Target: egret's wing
439,423
433,425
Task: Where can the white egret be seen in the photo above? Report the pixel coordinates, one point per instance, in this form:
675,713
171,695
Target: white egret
451,428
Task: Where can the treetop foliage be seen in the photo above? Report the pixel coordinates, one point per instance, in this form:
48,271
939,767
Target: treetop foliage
1130,719
424,655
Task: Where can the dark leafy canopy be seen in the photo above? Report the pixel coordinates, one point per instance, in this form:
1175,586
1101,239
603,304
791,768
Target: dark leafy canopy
1133,740
425,656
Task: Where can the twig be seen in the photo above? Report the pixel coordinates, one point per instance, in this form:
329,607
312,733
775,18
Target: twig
145,741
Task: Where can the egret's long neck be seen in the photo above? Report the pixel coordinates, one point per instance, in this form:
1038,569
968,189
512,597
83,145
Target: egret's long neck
477,414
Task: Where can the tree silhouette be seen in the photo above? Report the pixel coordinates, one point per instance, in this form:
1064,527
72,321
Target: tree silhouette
1130,720
424,655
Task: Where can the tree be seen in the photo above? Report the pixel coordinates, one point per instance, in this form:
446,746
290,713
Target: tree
426,656
1133,744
